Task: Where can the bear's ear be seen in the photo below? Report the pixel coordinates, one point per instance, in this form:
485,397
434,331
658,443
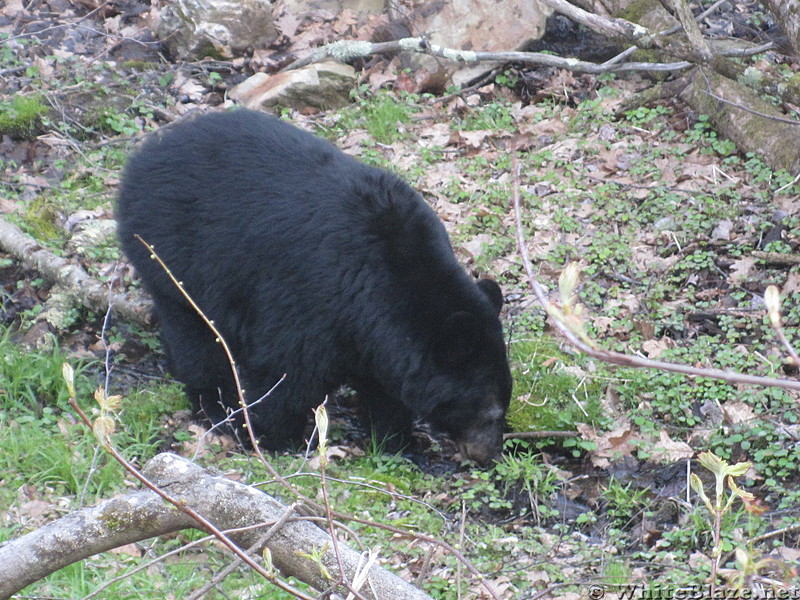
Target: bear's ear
493,292
459,338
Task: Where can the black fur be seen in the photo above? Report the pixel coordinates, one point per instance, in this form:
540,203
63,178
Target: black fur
316,266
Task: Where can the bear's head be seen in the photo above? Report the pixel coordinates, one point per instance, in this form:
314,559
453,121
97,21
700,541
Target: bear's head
468,380
457,377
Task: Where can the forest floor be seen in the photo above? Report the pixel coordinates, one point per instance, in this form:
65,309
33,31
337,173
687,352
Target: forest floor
677,236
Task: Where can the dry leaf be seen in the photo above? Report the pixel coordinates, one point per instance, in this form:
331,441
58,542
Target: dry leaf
791,285
332,452
668,450
10,8
741,269
202,441
738,412
34,508
789,554
611,446
723,230
435,135
474,139
475,247
654,348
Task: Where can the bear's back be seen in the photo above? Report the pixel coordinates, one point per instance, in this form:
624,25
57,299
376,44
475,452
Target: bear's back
222,165
243,192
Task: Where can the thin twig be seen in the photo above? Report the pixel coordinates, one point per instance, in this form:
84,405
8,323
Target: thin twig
788,185
328,517
775,533
690,28
232,414
107,366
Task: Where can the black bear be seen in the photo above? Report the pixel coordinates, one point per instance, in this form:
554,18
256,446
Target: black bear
313,265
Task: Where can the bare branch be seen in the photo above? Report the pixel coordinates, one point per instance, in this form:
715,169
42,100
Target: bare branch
684,15
776,258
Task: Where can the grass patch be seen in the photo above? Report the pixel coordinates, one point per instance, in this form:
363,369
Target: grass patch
43,445
494,116
383,115
384,118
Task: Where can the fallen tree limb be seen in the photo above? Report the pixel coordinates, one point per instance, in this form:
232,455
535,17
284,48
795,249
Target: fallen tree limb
741,115
613,28
736,111
347,50
683,13
228,504
88,291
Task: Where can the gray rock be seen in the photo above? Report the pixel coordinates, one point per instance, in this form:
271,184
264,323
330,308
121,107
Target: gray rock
193,29
362,7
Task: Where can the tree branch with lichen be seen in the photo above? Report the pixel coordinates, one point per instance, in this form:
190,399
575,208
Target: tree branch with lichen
347,50
144,514
91,293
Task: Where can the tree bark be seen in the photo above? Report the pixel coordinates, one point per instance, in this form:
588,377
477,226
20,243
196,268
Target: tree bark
227,504
787,13
741,115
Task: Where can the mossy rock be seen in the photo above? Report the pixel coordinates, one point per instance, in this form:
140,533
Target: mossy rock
21,117
41,217
549,392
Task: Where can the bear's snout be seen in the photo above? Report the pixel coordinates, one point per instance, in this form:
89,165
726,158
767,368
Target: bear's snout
484,447
483,443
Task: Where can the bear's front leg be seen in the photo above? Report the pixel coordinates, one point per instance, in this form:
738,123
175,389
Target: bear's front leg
384,417
278,410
